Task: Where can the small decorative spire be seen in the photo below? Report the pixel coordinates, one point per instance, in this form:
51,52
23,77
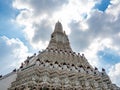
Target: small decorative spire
96,68
64,32
103,69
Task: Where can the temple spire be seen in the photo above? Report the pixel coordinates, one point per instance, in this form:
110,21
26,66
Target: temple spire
59,39
58,27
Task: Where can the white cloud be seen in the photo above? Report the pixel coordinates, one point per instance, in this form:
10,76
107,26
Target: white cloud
12,53
39,6
34,13
97,45
113,9
74,11
115,73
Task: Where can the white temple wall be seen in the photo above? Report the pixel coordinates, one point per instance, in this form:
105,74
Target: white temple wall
5,81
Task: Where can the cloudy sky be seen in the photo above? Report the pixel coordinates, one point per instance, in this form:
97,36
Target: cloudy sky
93,27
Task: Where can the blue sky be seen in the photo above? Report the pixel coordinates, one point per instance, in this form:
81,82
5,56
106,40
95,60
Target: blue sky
92,27
103,5
109,55
7,13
